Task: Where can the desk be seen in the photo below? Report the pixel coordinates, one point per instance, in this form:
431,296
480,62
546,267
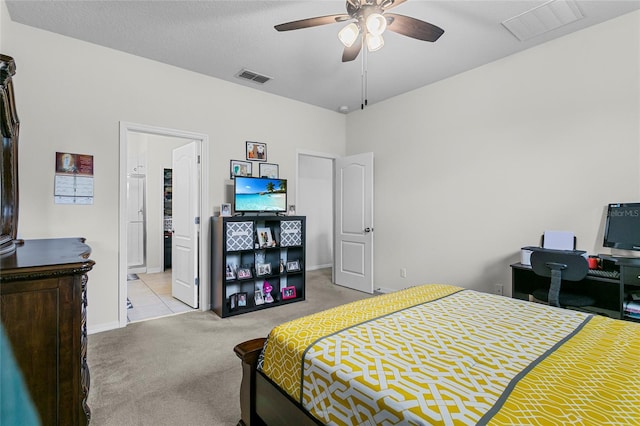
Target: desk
608,293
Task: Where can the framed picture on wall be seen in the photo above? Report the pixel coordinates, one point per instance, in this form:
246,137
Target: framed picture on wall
268,170
256,151
240,168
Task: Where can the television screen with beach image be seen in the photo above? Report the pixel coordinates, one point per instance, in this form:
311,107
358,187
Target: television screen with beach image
260,194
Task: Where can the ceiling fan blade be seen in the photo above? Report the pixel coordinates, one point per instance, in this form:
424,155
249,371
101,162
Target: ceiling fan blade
412,27
312,22
390,4
350,53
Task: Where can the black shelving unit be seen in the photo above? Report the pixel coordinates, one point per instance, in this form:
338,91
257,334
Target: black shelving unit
246,252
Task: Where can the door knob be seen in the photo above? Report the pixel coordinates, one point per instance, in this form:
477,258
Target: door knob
368,230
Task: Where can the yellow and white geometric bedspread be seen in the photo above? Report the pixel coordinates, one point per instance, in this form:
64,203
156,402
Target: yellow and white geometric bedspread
437,354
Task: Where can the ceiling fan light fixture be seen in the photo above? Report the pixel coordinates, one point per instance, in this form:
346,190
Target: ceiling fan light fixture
376,24
374,42
349,34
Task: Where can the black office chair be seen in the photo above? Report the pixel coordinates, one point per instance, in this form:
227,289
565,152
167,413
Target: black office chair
569,265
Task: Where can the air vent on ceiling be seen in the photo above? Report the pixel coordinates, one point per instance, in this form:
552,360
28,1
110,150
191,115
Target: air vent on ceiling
544,18
253,76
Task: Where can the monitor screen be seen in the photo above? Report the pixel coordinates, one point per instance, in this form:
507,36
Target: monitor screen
622,226
253,194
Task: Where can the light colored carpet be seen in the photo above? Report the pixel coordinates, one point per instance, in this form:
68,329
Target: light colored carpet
181,370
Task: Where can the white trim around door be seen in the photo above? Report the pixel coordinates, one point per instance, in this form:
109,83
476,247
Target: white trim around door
204,250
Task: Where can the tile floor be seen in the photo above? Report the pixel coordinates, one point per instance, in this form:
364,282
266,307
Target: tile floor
151,297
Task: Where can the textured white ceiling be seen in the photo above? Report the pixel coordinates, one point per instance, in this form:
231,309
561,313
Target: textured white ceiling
219,38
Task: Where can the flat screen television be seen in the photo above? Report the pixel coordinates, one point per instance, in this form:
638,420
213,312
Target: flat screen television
252,194
622,226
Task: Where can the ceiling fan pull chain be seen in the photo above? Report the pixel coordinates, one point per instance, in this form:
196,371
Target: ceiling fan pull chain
362,76
366,77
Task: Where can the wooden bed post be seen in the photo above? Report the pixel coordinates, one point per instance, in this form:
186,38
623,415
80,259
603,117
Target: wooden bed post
249,352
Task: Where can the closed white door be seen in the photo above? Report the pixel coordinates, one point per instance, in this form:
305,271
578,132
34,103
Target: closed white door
353,247
186,224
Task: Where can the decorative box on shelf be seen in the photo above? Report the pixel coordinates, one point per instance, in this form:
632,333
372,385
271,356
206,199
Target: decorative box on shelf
239,236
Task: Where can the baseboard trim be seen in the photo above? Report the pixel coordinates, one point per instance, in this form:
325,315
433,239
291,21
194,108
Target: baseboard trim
103,327
316,267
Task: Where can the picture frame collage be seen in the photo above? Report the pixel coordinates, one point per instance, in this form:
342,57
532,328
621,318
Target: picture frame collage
254,152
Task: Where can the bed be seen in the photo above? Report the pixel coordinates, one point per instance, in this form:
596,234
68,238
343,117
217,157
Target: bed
441,354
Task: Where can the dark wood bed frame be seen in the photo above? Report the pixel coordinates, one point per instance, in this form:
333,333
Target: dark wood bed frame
261,401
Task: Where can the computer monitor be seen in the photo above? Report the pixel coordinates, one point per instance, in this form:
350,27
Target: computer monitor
622,226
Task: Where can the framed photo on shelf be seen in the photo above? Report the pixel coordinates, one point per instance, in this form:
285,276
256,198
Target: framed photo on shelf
265,238
256,151
244,273
268,170
225,209
288,293
263,269
233,301
258,299
292,210
242,300
240,168
231,275
293,266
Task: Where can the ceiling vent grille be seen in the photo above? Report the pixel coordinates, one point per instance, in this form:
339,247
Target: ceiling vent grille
539,20
252,76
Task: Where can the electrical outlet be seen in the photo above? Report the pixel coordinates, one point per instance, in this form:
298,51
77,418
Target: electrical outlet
499,289
403,272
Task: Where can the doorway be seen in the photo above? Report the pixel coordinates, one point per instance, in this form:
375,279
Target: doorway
336,195
146,144
314,199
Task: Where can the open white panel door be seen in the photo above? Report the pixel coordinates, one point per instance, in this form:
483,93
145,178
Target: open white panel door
186,224
353,247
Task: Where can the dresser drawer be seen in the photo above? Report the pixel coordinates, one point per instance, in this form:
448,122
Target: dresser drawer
631,275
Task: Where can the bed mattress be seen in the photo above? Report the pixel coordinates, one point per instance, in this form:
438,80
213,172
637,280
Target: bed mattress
440,354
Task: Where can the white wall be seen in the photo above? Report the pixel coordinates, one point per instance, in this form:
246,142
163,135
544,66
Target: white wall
71,96
472,168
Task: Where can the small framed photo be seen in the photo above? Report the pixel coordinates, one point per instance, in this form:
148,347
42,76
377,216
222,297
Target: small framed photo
256,151
258,299
268,170
242,300
231,275
292,210
233,301
265,238
288,293
225,209
240,168
263,269
293,266
244,273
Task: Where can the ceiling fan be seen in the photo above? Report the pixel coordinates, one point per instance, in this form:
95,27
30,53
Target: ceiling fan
371,19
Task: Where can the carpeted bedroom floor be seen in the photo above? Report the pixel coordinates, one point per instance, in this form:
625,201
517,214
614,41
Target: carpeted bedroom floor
181,370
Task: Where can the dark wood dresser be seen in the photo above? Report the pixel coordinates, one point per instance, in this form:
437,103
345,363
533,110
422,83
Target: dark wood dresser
43,303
